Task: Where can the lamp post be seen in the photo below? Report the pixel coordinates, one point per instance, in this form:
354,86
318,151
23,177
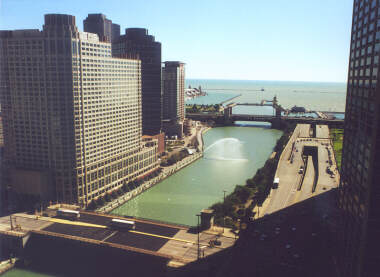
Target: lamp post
198,249
224,209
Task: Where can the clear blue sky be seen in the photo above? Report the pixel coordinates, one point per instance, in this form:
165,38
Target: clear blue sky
298,40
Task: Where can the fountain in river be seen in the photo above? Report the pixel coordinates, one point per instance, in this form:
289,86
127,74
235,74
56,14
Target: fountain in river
226,149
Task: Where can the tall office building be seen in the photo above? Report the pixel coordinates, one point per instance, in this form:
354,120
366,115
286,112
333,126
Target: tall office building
173,84
173,76
103,27
359,191
115,31
71,113
137,43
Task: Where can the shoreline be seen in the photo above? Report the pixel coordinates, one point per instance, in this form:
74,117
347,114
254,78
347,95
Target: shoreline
166,172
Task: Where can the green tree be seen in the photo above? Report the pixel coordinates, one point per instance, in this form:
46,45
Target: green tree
107,197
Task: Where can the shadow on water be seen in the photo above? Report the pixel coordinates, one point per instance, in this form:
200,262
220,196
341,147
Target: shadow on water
299,240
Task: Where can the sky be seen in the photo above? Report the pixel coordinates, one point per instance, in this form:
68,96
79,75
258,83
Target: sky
287,40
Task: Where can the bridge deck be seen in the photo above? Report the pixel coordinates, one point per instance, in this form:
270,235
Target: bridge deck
152,238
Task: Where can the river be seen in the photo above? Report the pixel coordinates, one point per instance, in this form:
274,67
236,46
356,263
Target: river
232,154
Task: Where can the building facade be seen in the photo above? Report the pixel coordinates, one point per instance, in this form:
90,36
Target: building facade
103,27
137,43
359,190
71,113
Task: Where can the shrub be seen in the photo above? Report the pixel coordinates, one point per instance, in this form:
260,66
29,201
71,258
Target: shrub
114,195
107,197
101,201
93,205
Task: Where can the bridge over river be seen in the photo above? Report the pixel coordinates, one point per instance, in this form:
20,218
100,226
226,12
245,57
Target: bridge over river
226,116
150,242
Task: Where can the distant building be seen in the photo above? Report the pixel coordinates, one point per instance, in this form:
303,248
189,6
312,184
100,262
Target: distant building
173,84
137,43
359,190
115,31
71,114
103,27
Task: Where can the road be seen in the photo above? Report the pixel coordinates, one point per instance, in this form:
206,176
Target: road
308,181
157,238
288,169
322,131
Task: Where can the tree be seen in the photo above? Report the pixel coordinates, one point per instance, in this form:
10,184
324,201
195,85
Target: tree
113,194
242,193
101,201
107,197
92,206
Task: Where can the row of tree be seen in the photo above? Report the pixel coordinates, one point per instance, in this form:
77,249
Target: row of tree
176,157
202,108
126,187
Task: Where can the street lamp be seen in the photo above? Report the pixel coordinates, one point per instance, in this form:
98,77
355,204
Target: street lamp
224,209
198,249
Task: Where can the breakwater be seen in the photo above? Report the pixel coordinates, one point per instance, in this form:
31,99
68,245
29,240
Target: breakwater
229,99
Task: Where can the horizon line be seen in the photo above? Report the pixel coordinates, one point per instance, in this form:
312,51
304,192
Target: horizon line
219,79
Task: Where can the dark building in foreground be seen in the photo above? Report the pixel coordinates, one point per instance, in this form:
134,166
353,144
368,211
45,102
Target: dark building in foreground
137,43
359,191
103,27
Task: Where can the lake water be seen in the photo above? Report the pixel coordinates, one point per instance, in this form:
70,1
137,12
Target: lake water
311,95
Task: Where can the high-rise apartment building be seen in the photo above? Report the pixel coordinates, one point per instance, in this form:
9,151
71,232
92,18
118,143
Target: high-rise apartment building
71,113
137,43
173,83
359,191
103,27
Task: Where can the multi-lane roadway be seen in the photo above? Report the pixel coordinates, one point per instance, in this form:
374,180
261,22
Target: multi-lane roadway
303,174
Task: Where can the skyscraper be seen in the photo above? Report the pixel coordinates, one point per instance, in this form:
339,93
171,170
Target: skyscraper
173,83
173,76
359,190
103,27
115,31
71,113
137,43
